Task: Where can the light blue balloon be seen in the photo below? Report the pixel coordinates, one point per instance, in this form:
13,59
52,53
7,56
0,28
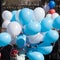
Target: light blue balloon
32,28
46,24
56,23
51,36
34,55
45,48
26,15
13,15
5,39
21,41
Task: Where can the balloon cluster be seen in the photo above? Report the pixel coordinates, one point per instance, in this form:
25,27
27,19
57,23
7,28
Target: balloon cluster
31,30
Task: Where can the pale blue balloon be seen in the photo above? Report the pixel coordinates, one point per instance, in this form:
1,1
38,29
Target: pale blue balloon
32,28
56,23
21,41
26,15
51,36
13,15
46,24
34,55
5,39
45,48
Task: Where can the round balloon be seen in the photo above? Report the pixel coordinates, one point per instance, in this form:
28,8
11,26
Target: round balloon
5,39
17,16
5,24
21,41
39,13
35,38
6,15
32,28
14,28
46,24
45,49
56,23
48,15
26,15
55,15
35,55
52,4
13,15
51,36
52,11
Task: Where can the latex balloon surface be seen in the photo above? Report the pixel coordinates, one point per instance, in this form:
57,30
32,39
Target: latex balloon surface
14,28
6,15
39,13
5,39
35,55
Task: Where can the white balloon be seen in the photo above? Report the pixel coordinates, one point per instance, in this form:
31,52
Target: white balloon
17,15
6,15
39,13
49,15
14,28
46,7
35,38
55,15
5,24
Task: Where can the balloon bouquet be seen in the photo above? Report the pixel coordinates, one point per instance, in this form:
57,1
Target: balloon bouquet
31,31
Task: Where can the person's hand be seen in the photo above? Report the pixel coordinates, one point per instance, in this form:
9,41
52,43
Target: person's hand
14,53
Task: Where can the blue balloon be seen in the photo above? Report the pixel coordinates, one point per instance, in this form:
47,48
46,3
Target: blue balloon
32,28
34,55
44,44
21,41
52,4
45,48
5,39
26,15
51,36
46,24
13,15
56,23
51,0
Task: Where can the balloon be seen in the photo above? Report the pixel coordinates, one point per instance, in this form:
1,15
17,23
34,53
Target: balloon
51,36
32,28
21,41
51,0
46,7
5,24
35,38
48,16
52,4
17,15
55,15
56,23
35,55
39,13
13,15
26,15
5,39
14,28
52,11
6,15
45,49
46,24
